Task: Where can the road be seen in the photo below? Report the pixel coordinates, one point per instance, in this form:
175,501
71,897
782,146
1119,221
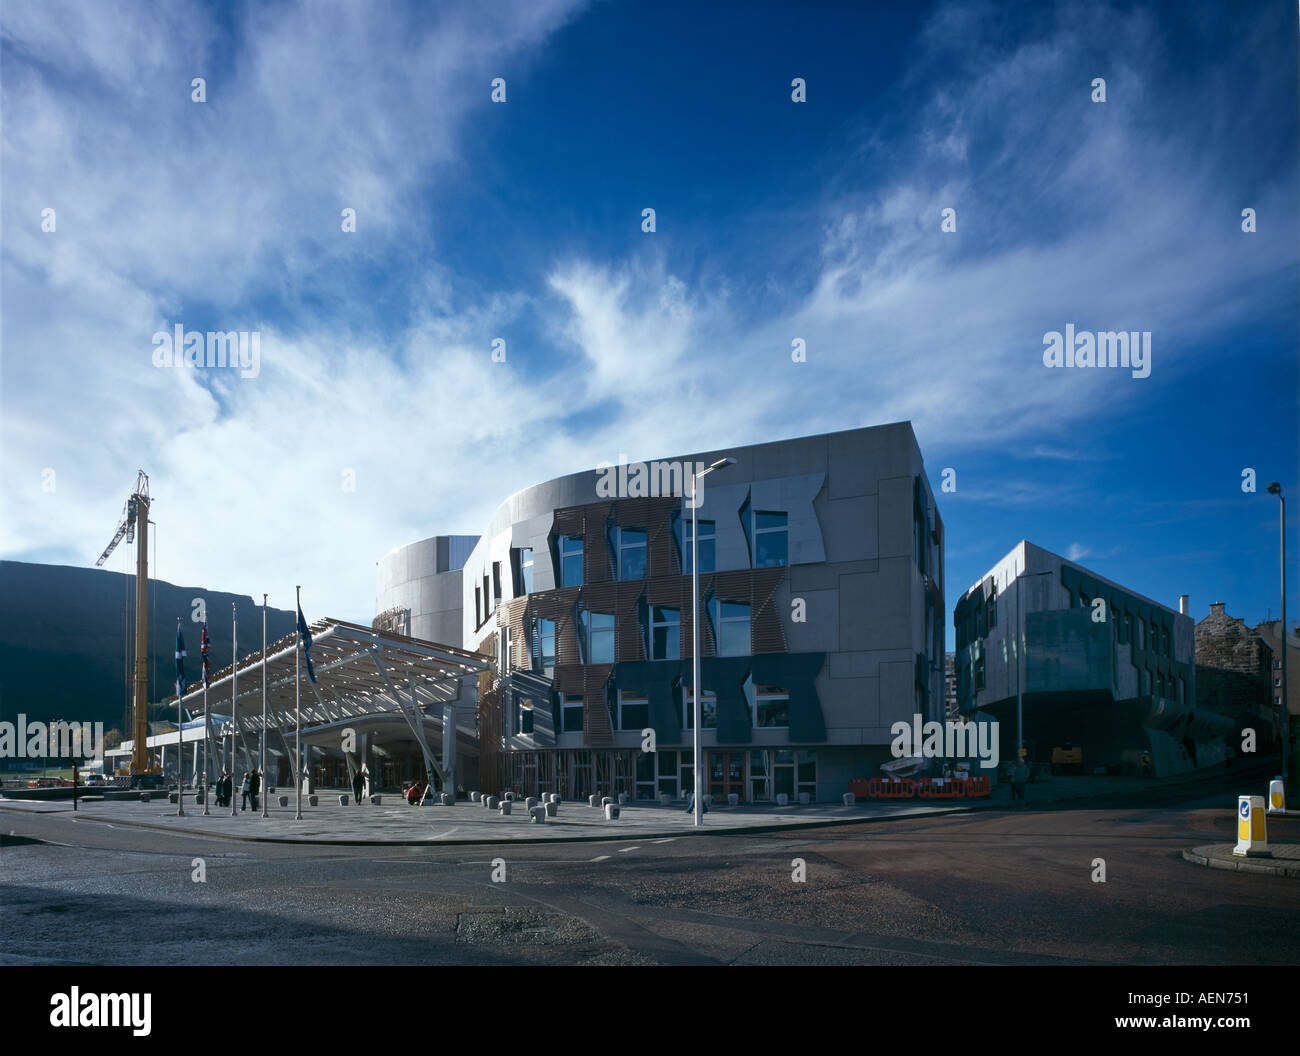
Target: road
999,887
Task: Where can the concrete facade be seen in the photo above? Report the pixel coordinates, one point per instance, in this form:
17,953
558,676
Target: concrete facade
827,572
1104,669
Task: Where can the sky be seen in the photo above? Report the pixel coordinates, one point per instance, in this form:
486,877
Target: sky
378,415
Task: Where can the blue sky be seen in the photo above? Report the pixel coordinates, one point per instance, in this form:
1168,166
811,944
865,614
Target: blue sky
775,220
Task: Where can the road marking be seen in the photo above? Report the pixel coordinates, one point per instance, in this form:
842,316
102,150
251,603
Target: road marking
669,840
601,858
442,835
624,850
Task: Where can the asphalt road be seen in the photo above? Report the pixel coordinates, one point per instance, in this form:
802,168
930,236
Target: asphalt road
994,888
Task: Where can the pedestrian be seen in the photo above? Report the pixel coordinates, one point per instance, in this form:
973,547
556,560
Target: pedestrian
690,803
1019,778
244,788
413,793
254,787
358,785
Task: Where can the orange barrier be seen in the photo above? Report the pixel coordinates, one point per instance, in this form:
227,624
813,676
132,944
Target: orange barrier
922,788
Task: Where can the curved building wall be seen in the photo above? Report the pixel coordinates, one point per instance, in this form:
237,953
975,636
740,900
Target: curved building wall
425,580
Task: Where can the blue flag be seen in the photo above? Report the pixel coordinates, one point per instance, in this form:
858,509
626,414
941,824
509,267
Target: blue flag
204,650
180,663
306,644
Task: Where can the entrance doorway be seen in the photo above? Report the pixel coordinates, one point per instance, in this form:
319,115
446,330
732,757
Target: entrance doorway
726,775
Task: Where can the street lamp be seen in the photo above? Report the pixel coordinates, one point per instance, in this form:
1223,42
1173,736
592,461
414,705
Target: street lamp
1276,489
1020,636
696,692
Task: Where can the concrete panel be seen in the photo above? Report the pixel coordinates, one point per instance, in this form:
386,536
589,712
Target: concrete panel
850,528
874,613
803,578
894,517
897,692
820,632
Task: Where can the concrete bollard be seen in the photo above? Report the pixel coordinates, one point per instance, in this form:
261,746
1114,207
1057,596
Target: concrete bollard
473,797
665,799
284,801
622,799
550,809
493,802
312,801
506,804
554,798
606,801
343,801
733,799
198,796
448,800
782,800
172,797
612,811
530,802
708,799
803,799
376,800
594,800
144,797
509,797
538,815
848,799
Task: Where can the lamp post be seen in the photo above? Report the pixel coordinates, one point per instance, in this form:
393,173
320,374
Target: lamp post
261,765
1020,711
234,700
696,692
1276,489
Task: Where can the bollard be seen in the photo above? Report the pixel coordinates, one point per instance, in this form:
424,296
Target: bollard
172,797
803,799
848,799
1252,835
594,800
622,799
343,801
538,815
493,802
506,804
448,800
708,800
284,801
550,809
554,798
376,800
198,796
530,802
311,801
473,797
144,797
733,799
665,799
606,801
612,811
509,797
782,800
1276,796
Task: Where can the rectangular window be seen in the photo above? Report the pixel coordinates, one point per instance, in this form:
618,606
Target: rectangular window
992,614
771,707
783,772
571,713
806,774
708,709
708,546
731,627
487,596
979,672
525,718
523,571
665,633
571,561
634,711
478,606
496,580
544,645
645,775
600,636
771,539
668,774
760,781
629,552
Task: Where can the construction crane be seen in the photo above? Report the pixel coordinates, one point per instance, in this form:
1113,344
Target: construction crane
135,519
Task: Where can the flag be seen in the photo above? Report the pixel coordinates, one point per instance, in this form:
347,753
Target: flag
204,651
180,663
306,644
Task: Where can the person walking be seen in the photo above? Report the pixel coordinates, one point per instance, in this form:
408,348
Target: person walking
245,787
254,787
1019,778
358,786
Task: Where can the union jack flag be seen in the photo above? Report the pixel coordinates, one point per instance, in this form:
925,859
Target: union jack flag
204,651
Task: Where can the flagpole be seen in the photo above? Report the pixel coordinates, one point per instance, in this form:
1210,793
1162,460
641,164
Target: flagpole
262,747
180,730
297,705
206,728
234,702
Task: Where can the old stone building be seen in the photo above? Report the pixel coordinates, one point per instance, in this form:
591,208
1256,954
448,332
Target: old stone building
1234,674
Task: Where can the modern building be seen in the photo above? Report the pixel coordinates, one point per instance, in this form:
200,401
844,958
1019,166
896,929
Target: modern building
950,685
821,593
1100,668
1234,677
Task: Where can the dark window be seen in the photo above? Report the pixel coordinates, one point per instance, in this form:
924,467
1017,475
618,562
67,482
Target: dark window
523,571
771,539
730,627
708,545
600,637
629,552
544,645
571,561
665,633
571,713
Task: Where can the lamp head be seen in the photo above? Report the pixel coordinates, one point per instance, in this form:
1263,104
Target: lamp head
1275,488
719,464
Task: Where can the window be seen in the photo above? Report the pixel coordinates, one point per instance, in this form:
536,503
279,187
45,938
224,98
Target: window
496,581
771,707
599,628
526,718
571,560
633,711
708,709
544,645
771,539
478,606
806,774
760,781
523,571
730,627
665,633
1277,682
628,545
708,545
645,775
991,613
783,772
570,713
508,652
1164,640
667,764
979,672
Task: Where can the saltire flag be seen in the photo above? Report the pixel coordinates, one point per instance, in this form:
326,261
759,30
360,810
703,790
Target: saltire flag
204,651
180,662
306,644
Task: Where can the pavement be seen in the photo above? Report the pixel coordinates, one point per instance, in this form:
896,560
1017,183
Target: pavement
395,823
1284,859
